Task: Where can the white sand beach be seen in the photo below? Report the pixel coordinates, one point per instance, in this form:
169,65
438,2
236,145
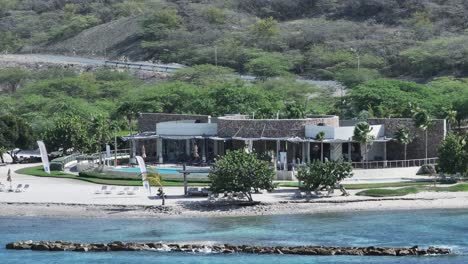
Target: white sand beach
66,197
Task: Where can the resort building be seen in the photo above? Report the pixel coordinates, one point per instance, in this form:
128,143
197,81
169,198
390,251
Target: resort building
199,139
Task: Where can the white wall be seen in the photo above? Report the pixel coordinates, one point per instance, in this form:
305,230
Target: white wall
186,129
341,133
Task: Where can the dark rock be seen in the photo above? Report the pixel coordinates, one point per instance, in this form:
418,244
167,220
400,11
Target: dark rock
40,247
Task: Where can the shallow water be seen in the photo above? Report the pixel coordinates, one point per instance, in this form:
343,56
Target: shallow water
423,228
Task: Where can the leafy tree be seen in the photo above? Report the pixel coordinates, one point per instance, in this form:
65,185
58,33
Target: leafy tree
362,135
243,172
74,25
14,133
392,96
404,137
317,175
353,77
67,132
265,29
295,111
214,15
453,155
12,78
320,137
266,66
204,74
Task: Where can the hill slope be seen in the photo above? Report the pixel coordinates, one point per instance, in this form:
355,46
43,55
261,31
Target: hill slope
348,40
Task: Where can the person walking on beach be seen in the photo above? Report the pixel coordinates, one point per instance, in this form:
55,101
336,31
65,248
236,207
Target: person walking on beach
9,178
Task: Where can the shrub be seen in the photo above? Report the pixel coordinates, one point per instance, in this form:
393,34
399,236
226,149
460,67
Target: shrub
316,175
243,172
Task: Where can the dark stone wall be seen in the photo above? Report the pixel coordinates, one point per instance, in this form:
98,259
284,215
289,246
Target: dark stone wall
416,150
274,128
147,121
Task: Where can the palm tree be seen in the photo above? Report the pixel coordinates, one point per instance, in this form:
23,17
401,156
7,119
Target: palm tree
130,110
403,136
361,135
451,116
422,121
320,137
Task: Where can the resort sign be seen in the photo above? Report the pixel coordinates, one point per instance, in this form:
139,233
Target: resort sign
144,173
44,157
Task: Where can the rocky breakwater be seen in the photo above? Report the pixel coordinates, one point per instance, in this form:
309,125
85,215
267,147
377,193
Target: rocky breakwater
225,248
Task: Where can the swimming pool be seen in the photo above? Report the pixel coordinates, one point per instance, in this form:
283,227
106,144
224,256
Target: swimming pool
160,170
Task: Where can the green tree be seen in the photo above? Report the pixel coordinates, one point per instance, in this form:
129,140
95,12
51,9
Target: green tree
99,134
265,29
267,65
422,121
295,111
453,155
12,78
243,172
451,117
404,137
362,135
204,74
214,15
68,132
14,133
316,175
320,137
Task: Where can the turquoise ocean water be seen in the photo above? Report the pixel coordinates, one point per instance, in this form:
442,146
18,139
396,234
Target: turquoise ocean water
405,228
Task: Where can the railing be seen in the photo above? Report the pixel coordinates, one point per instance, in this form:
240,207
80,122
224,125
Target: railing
156,68
393,163
59,163
96,156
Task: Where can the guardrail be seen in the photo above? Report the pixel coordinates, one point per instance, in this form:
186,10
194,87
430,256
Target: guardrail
95,156
59,163
157,68
393,163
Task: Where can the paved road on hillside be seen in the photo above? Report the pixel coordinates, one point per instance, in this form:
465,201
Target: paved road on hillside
336,88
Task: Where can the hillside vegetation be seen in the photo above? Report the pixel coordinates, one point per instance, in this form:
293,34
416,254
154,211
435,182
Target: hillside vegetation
394,56
325,39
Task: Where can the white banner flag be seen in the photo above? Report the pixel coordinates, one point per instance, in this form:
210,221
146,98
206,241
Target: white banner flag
44,157
144,173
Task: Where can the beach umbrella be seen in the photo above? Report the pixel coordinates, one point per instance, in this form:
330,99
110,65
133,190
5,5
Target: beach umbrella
9,177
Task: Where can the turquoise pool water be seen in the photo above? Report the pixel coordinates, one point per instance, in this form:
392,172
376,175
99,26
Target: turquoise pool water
423,228
160,170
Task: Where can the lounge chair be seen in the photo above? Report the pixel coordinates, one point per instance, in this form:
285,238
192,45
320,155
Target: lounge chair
18,188
110,191
122,192
102,190
133,191
26,187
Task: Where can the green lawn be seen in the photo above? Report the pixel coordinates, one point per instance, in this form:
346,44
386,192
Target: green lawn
369,185
461,187
105,179
389,192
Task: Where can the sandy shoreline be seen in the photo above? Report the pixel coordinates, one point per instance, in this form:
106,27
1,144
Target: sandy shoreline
205,209
53,197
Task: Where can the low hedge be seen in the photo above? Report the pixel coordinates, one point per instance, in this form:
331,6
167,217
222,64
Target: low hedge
98,175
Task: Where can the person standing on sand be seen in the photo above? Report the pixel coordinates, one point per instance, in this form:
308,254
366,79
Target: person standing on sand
9,177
